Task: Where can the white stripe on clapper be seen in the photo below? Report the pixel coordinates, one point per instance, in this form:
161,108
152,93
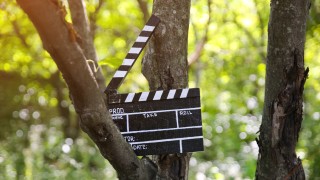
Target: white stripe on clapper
148,28
120,74
166,140
156,130
177,119
171,94
184,93
157,96
128,62
135,50
129,97
169,110
142,39
128,130
144,96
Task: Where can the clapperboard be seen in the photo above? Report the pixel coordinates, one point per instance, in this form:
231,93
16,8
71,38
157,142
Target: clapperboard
158,122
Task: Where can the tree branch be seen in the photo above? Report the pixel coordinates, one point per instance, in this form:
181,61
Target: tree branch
21,36
165,66
81,23
93,18
95,120
200,45
262,25
143,5
250,36
283,100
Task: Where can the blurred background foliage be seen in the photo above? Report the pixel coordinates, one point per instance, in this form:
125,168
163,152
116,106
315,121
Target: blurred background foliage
39,133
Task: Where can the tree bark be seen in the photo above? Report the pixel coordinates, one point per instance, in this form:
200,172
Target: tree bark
59,40
285,78
165,66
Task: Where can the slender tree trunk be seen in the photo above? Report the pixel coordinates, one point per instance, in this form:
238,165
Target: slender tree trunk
59,39
285,78
165,66
81,24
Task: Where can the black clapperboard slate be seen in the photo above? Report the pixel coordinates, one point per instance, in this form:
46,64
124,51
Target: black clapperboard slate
157,122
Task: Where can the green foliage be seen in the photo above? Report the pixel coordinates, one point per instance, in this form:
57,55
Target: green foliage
41,152
39,133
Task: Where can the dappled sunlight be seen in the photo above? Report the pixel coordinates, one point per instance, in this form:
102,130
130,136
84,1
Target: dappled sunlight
40,135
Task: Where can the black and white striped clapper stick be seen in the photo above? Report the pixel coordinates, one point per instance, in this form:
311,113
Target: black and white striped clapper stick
133,53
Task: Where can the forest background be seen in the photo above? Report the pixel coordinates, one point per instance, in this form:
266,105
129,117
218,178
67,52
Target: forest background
39,132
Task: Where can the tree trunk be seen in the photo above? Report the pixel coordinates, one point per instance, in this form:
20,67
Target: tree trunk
165,66
61,41
285,78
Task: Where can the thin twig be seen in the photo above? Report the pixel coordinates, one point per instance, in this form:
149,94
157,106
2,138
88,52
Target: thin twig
144,9
200,45
21,36
261,23
249,35
93,18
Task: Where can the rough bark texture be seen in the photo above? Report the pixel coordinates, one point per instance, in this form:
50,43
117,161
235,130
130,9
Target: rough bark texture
60,41
165,63
165,66
285,78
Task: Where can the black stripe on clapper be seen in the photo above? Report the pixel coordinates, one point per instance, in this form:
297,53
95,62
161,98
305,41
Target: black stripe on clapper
165,94
151,95
178,93
124,68
194,92
136,97
133,53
